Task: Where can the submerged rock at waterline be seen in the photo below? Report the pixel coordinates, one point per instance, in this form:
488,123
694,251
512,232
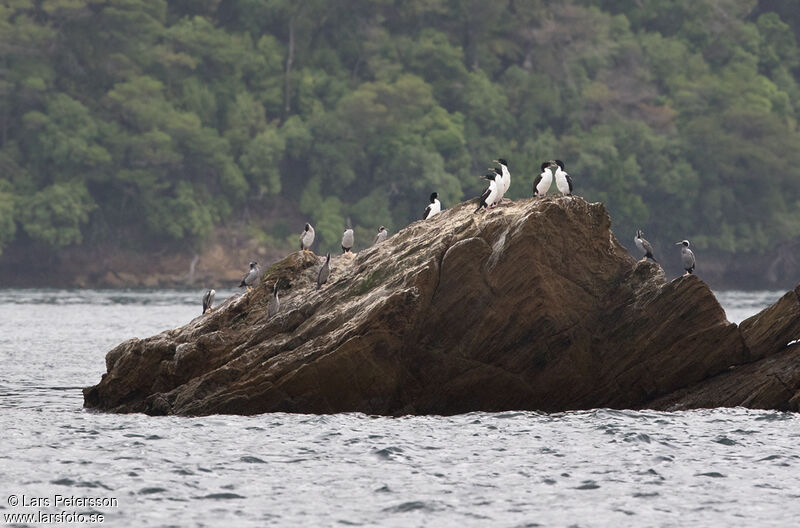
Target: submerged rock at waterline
533,305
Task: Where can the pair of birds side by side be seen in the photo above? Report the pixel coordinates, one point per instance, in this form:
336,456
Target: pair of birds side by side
687,255
252,278
499,182
544,180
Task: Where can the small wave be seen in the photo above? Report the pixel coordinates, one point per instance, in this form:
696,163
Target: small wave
252,460
150,491
411,506
388,453
221,496
712,474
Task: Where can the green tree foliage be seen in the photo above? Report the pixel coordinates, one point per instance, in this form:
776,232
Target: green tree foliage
168,119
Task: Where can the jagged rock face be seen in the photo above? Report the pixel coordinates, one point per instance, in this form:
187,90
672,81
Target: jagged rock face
533,305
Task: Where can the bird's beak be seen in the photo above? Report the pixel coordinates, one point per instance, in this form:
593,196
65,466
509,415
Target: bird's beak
495,161
678,243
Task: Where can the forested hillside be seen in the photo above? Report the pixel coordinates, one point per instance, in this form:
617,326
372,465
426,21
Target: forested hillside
136,121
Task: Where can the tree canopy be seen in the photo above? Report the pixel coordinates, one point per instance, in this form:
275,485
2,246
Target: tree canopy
168,119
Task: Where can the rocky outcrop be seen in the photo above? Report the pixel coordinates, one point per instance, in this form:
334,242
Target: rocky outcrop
532,305
770,379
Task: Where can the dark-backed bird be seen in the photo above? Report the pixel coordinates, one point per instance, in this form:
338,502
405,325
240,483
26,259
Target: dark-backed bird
506,178
433,208
563,181
324,272
251,276
491,194
644,246
347,240
543,181
307,238
382,235
498,180
274,303
687,257
208,300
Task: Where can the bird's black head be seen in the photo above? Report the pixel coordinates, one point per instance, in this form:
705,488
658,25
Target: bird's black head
684,243
308,226
498,171
490,176
545,165
560,164
381,228
434,196
253,264
639,233
501,161
328,258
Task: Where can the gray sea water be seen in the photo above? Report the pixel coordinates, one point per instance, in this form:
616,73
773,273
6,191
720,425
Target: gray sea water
723,467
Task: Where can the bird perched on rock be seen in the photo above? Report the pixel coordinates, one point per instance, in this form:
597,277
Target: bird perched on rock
543,181
687,257
274,303
307,238
251,277
382,235
433,208
644,246
563,181
498,180
208,300
324,272
491,194
347,240
506,177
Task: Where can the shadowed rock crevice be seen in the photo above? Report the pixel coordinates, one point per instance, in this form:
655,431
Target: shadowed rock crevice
532,305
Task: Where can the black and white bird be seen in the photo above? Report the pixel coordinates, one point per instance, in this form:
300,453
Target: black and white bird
563,181
324,272
644,246
251,277
687,257
382,235
543,181
208,300
506,178
307,238
274,303
347,240
491,194
433,208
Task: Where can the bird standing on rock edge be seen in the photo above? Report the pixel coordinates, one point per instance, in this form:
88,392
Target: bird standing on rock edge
381,236
433,208
274,303
563,181
208,300
251,277
644,246
490,195
543,181
687,257
307,238
506,178
347,239
324,272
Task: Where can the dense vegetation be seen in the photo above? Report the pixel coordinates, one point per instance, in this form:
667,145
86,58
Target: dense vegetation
144,120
